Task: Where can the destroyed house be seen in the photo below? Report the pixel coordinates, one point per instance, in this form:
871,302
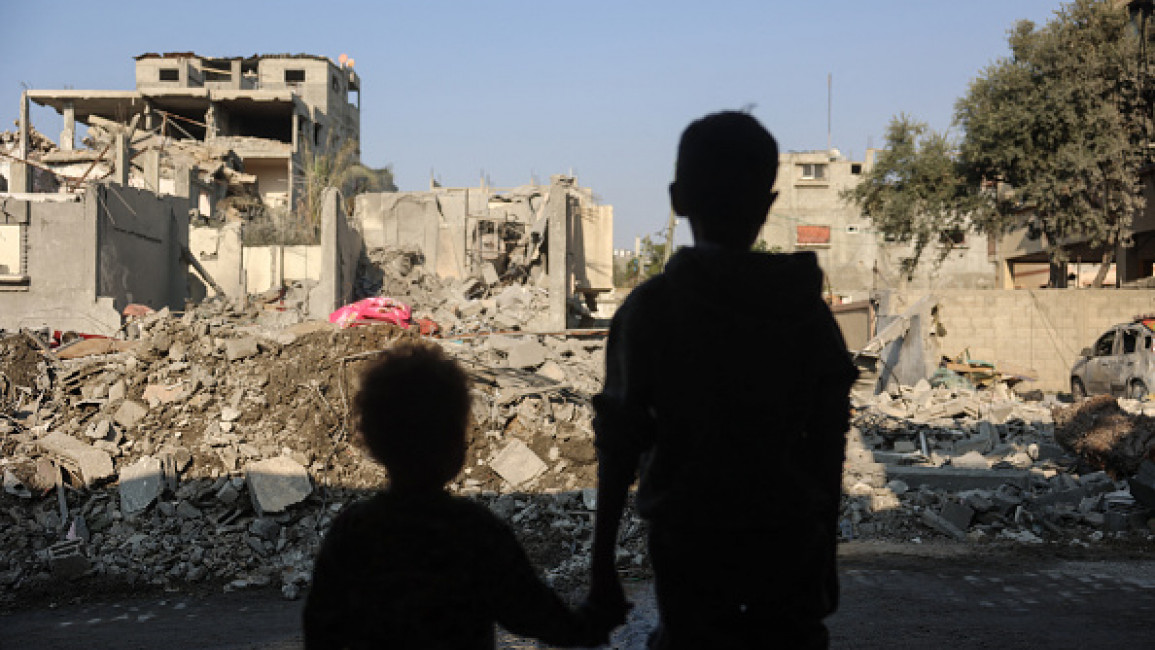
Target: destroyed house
267,110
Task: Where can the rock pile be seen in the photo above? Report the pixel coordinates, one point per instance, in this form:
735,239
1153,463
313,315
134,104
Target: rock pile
974,465
212,447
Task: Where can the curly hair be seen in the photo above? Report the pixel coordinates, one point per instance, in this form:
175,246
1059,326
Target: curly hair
412,411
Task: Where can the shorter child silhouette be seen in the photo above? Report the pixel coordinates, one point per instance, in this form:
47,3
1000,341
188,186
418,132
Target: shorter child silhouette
413,566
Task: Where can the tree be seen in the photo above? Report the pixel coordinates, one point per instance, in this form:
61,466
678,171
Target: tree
1064,123
336,166
917,191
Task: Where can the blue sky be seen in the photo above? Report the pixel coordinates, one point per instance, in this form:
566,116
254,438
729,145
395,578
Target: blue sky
514,90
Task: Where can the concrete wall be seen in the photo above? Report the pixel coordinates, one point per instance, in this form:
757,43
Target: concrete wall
88,257
412,220
1040,329
141,236
219,251
269,267
341,248
272,179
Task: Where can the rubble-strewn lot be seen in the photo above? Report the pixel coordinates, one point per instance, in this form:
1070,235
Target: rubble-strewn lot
984,465
215,447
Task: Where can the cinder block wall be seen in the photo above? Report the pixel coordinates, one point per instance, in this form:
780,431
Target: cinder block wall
1040,329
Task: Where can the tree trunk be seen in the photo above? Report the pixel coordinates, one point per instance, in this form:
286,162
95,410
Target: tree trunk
1108,257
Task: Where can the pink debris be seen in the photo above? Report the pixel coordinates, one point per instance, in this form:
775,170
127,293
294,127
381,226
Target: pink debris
372,309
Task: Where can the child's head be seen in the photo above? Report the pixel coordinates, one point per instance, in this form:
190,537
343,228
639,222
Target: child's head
724,182
412,412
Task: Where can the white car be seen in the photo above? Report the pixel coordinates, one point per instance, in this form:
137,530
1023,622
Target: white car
1121,363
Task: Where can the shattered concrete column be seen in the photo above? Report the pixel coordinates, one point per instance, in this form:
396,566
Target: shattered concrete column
212,122
68,135
150,161
122,159
21,180
557,211
184,184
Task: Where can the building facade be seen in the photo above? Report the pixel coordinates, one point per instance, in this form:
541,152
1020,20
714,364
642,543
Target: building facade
810,214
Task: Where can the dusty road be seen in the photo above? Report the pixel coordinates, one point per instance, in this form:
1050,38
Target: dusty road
945,599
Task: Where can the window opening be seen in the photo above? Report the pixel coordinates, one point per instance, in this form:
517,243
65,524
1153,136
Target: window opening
169,74
813,171
1105,345
294,76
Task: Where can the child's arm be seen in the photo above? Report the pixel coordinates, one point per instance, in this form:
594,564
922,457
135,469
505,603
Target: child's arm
526,606
623,427
324,609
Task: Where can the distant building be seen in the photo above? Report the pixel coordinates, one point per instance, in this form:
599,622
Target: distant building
811,215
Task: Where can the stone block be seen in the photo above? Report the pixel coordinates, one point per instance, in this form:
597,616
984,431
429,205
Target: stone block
94,465
130,413
155,394
517,463
942,525
959,515
970,460
489,274
277,483
140,484
237,349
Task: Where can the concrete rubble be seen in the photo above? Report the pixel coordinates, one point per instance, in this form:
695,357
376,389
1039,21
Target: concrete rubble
977,465
215,447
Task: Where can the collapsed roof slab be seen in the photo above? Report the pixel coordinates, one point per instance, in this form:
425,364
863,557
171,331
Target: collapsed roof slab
112,104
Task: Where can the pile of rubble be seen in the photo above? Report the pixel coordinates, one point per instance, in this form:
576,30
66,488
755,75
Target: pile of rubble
211,447
486,303
976,465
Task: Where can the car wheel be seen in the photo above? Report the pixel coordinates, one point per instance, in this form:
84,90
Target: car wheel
1138,390
1078,391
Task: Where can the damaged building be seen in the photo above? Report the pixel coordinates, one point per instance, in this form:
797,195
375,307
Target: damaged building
219,142
247,121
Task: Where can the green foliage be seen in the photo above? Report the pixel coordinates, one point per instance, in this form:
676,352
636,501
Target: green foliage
761,246
1064,123
653,258
917,191
336,166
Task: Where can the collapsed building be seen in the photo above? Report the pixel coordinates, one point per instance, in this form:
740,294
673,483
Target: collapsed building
218,140
267,111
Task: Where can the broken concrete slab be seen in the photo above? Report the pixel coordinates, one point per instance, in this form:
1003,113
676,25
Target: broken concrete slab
156,394
940,524
958,514
970,460
958,478
94,465
277,483
552,370
517,464
237,349
140,484
527,354
130,413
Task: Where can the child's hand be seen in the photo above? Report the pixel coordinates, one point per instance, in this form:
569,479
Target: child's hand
605,608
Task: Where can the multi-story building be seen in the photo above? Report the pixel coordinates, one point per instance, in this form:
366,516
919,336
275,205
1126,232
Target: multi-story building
270,110
810,214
